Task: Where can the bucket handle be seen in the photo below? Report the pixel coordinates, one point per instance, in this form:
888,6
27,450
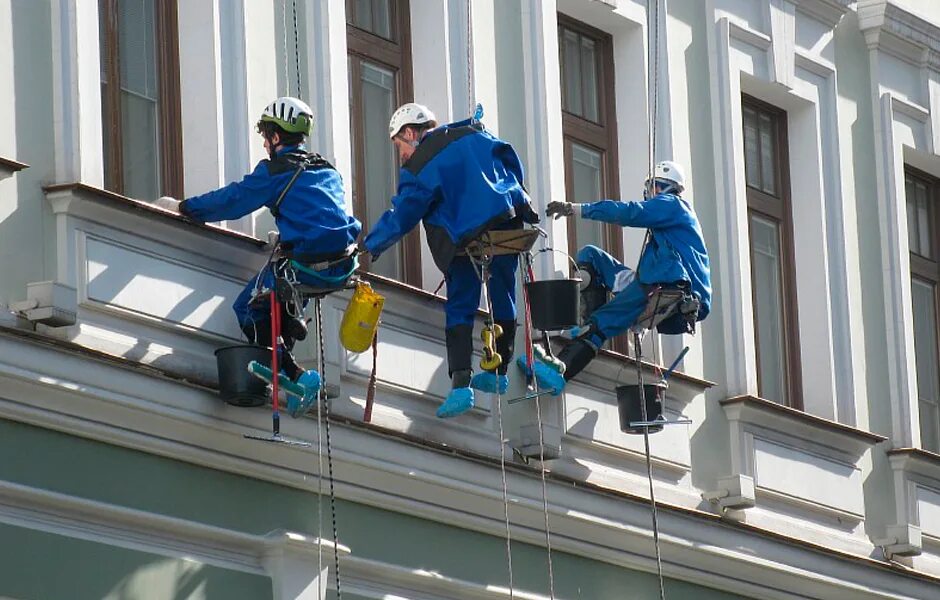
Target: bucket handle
573,262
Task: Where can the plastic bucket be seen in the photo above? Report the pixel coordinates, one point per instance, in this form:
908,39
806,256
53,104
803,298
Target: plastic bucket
237,386
555,303
628,403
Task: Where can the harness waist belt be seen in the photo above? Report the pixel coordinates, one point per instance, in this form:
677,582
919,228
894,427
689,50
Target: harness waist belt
320,262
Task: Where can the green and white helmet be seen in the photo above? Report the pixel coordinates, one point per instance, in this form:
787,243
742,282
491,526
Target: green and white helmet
290,114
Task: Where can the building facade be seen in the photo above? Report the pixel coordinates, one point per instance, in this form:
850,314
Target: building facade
810,469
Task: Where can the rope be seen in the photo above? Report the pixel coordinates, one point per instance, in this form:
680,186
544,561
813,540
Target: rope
482,264
329,446
320,398
527,276
284,47
638,341
296,50
470,102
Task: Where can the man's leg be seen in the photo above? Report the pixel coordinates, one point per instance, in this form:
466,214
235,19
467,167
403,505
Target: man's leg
463,297
502,291
601,274
612,319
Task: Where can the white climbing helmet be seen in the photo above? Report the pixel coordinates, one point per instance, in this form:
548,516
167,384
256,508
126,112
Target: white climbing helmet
409,114
672,172
290,114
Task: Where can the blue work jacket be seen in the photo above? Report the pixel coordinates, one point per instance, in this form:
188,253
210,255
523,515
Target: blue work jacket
312,218
676,249
461,181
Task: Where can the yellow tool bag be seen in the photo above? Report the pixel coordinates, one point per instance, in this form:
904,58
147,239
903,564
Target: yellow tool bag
361,318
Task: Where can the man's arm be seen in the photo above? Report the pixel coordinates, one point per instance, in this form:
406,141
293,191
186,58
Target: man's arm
655,212
233,201
409,206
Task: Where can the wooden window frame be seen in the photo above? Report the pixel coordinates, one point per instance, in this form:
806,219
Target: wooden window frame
169,113
778,209
923,268
601,137
364,45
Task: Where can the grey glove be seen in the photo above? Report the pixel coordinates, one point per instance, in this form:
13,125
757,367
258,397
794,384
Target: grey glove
167,203
562,209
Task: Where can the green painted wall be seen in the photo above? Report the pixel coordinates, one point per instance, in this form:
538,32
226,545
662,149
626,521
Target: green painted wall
35,565
98,471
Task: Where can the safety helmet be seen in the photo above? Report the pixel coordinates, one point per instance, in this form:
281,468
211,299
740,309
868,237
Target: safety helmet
290,114
671,172
409,114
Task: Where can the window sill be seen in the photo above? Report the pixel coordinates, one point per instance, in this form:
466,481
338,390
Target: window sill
788,461
8,167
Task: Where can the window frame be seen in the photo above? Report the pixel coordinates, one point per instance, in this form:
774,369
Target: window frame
600,137
779,210
169,111
396,56
924,268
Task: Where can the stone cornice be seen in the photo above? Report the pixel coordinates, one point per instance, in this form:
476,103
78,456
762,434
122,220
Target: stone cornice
9,166
827,11
899,32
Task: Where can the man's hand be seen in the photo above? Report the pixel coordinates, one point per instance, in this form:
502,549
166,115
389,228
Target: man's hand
362,251
560,209
167,203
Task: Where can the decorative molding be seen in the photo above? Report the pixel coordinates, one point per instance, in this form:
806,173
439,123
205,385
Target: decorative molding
896,31
829,12
8,167
777,417
394,473
915,461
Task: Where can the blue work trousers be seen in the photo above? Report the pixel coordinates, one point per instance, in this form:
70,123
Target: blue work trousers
464,286
257,315
621,312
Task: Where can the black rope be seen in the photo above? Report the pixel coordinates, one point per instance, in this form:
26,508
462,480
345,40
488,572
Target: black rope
296,50
329,448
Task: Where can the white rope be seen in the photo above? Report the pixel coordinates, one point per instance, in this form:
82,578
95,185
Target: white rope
284,38
653,63
526,264
484,281
322,581
470,102
298,93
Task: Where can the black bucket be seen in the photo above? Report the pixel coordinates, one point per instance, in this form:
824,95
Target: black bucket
555,303
628,403
237,386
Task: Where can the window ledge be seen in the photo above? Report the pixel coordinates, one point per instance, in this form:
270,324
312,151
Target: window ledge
916,461
61,194
9,166
796,423
788,461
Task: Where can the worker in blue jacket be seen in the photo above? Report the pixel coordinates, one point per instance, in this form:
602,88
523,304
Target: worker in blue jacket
306,196
461,181
674,255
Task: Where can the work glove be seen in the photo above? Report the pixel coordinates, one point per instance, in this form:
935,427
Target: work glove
362,251
562,209
167,203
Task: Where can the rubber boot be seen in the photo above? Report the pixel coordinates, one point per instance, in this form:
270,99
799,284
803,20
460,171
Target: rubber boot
310,381
460,398
593,294
576,356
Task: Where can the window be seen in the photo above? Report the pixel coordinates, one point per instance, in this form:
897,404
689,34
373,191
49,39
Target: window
589,128
922,228
379,81
770,225
140,98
